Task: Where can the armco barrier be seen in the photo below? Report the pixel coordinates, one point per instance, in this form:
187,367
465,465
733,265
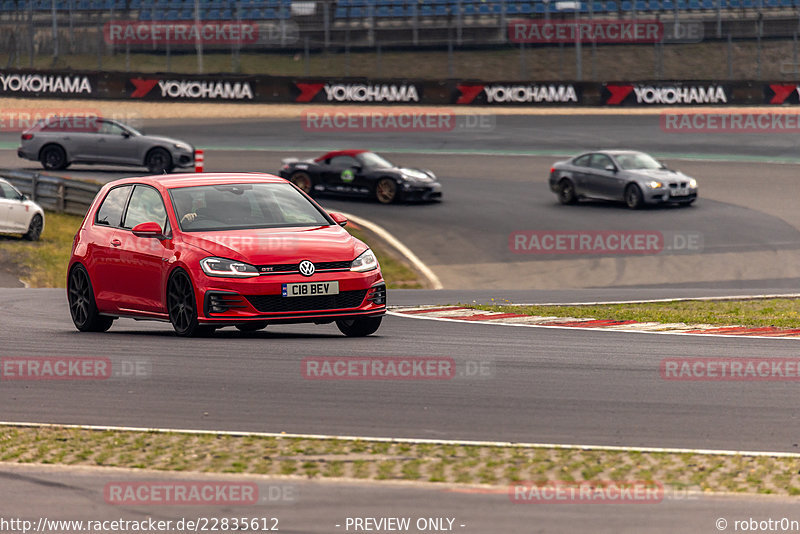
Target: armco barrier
54,193
133,86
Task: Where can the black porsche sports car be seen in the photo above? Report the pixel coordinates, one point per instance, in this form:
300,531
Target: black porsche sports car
360,173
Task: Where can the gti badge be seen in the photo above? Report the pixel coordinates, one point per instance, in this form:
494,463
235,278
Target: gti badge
306,268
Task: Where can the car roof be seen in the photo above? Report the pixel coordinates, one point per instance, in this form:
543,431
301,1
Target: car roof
615,152
173,181
351,153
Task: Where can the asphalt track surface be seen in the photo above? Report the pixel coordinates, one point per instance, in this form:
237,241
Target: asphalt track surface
544,385
547,385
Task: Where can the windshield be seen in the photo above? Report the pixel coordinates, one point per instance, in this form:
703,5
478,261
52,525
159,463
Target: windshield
637,160
243,206
371,159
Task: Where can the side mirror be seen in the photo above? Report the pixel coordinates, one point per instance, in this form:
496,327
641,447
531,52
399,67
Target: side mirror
148,229
611,168
22,197
126,134
356,168
339,219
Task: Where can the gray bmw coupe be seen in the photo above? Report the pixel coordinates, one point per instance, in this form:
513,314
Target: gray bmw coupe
632,177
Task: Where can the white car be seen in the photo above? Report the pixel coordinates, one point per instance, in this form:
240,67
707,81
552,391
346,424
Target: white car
18,215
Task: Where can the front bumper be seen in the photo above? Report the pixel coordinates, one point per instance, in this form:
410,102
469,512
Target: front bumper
183,159
424,192
234,301
664,196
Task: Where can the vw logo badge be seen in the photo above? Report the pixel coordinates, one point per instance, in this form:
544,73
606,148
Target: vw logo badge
306,268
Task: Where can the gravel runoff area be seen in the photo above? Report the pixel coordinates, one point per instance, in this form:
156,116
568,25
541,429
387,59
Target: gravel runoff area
223,110
480,465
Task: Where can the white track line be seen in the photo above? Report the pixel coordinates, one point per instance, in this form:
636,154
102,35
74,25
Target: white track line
591,329
679,299
381,232
520,445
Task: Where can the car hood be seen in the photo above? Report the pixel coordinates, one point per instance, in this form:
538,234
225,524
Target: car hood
273,246
662,175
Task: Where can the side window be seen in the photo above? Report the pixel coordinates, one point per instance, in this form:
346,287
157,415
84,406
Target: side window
110,212
582,161
600,161
6,191
145,206
110,128
343,161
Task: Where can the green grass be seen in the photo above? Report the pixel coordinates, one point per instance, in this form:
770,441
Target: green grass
779,312
44,263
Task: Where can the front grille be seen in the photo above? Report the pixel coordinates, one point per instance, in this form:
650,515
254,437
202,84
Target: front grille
295,267
277,303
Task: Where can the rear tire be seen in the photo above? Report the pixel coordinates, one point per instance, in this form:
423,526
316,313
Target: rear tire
566,192
34,229
359,327
303,181
633,197
53,158
82,306
158,161
386,191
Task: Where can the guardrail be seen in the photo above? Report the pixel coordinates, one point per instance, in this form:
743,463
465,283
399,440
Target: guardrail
53,193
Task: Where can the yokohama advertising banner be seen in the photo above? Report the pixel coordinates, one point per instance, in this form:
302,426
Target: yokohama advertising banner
518,93
666,94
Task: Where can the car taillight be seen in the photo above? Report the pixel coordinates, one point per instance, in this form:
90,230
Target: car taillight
552,170
27,136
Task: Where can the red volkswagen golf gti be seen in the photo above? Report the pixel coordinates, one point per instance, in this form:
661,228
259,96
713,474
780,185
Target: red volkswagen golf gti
214,250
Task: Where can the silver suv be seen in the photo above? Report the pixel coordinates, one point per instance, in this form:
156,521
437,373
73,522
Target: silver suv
58,142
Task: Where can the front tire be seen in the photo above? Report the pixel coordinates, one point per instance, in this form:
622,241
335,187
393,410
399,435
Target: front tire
82,306
34,229
182,306
53,158
359,327
386,191
633,197
566,192
158,161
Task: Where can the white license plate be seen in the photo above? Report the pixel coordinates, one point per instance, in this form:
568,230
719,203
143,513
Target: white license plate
310,289
678,192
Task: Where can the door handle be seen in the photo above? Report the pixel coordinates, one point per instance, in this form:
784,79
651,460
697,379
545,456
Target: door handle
116,242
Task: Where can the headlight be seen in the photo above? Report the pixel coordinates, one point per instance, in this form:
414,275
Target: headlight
692,183
182,146
227,268
365,262
654,185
